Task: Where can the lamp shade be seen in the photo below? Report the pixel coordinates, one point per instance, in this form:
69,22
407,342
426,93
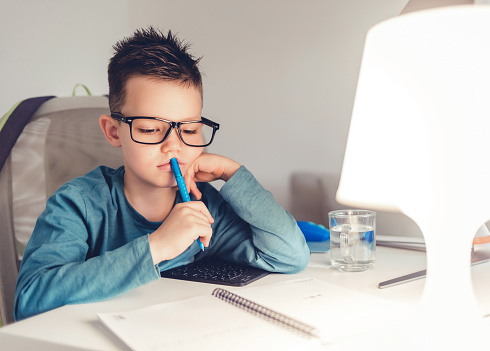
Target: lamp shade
419,142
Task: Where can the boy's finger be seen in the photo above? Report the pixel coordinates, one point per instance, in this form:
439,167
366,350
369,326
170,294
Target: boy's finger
201,207
194,190
205,240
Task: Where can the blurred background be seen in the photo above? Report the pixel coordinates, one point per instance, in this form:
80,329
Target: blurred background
279,75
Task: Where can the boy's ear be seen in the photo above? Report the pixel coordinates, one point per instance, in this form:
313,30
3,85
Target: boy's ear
110,128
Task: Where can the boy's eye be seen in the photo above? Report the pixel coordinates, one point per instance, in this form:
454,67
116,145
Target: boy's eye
147,131
148,127
190,129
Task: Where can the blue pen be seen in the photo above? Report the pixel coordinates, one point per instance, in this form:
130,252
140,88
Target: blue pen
182,187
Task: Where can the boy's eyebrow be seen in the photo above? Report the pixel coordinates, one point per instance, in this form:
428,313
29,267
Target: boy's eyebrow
186,119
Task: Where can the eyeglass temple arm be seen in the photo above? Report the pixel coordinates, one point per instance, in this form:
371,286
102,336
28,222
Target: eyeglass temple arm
210,123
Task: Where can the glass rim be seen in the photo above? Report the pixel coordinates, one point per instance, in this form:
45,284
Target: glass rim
352,213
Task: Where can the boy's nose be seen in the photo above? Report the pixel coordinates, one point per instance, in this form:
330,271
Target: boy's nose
173,142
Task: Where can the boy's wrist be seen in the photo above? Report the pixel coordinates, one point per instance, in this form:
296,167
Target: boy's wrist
154,250
230,170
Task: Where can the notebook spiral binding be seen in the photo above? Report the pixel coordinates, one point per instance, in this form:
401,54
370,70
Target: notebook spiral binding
301,328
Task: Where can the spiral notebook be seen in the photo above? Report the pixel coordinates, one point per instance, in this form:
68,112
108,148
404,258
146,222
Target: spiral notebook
296,314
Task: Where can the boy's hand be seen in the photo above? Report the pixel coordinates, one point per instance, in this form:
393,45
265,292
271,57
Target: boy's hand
209,167
186,222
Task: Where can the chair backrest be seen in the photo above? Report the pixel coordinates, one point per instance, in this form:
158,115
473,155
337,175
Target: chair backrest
61,140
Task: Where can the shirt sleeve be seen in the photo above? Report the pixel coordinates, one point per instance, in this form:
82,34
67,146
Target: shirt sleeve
253,228
58,267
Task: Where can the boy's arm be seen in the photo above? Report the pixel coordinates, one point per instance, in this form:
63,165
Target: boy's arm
251,227
58,267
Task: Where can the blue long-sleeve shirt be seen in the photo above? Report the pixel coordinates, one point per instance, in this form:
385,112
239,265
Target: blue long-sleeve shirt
90,244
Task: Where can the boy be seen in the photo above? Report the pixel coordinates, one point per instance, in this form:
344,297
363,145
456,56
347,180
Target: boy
114,230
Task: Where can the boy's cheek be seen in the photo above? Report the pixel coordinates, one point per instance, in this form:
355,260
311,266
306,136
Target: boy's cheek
192,161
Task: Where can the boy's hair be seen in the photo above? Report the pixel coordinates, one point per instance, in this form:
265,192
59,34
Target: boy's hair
149,52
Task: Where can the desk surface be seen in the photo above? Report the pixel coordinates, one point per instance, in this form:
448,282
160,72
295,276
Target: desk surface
78,326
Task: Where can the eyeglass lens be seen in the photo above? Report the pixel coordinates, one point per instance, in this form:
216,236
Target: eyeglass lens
153,131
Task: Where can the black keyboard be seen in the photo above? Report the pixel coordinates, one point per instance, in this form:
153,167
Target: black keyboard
216,271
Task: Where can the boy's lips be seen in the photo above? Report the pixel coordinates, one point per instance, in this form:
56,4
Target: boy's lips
165,166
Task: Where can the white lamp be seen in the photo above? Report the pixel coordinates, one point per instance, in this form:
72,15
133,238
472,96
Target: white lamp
419,142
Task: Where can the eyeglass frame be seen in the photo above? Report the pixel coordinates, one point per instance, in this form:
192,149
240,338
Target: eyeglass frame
129,120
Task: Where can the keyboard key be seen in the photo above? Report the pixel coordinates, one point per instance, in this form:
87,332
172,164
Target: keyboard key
216,271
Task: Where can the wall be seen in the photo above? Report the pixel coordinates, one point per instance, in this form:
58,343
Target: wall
279,75
48,46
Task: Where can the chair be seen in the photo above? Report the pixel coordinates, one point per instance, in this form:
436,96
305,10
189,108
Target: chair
60,140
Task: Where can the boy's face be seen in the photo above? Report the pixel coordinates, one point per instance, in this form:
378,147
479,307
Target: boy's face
149,165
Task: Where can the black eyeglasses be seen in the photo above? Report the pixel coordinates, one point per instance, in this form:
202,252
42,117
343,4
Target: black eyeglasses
153,130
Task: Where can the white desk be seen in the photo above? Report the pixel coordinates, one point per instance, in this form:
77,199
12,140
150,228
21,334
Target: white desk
78,326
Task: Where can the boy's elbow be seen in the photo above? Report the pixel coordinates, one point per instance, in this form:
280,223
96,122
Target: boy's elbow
19,315
300,263
26,303
296,262
304,262
25,307
20,312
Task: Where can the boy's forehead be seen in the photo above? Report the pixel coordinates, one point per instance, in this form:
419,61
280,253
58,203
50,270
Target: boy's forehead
150,82
161,98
